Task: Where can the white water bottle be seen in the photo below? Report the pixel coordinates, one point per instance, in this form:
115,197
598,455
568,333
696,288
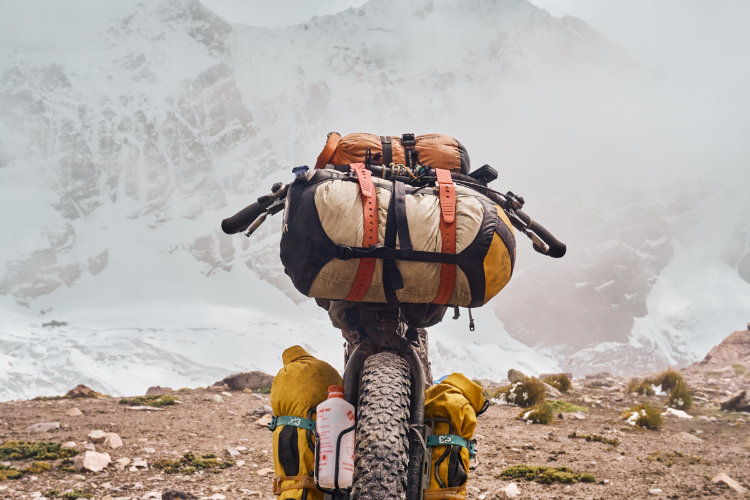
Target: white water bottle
335,415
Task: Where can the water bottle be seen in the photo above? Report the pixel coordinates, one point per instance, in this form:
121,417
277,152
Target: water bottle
335,415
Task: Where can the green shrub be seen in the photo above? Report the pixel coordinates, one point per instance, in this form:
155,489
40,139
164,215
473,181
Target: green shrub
668,380
156,401
595,438
643,415
540,414
190,462
528,392
642,387
40,450
546,475
560,406
681,397
561,382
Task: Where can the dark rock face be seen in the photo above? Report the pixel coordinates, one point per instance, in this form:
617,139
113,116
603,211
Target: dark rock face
253,381
738,402
733,349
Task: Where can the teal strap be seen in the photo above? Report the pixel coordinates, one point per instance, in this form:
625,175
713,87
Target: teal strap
302,423
452,439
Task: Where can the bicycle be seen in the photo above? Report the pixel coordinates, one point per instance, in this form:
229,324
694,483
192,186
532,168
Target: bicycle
384,377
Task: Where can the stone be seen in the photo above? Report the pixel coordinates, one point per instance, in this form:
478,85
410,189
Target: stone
144,408
74,412
264,421
139,463
151,494
158,390
43,427
177,495
113,440
254,380
551,391
121,463
148,450
215,398
97,436
676,413
515,375
723,478
69,445
262,410
233,452
688,438
511,490
81,391
736,402
655,491
92,461
264,471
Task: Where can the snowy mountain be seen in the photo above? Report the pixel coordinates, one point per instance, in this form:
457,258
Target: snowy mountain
128,131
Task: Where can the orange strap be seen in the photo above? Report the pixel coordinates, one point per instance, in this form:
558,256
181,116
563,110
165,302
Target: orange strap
370,233
447,195
329,149
455,493
302,482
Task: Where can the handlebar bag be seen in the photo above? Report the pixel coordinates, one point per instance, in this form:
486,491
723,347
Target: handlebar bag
451,407
393,246
432,150
299,387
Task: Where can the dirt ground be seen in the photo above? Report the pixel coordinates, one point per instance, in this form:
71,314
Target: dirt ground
678,461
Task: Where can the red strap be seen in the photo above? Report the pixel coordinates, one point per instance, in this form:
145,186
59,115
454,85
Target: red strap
370,232
447,193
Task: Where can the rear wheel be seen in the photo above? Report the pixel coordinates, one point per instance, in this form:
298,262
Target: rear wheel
381,452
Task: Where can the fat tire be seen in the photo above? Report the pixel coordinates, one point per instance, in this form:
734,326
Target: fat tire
381,452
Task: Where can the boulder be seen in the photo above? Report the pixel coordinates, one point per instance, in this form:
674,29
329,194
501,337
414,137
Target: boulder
158,390
81,391
724,478
97,436
515,375
74,412
733,349
551,392
254,381
737,402
92,461
113,440
177,495
43,427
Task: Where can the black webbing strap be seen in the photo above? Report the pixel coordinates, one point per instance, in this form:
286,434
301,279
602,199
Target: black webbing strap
392,279
385,141
410,154
344,252
402,224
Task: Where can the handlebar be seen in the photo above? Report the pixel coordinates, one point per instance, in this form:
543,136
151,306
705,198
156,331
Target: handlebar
242,219
554,247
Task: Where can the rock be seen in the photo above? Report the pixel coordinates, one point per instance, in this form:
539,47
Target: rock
97,436
723,478
43,427
158,390
89,446
262,410
81,391
144,408
69,445
177,495
121,463
551,392
148,450
515,375
233,452
677,413
655,491
151,494
600,375
511,490
264,421
254,380
215,398
74,412
113,440
733,349
139,463
264,471
689,438
542,376
736,402
92,461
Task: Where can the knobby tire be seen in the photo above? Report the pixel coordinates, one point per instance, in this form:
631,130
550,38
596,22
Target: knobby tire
382,446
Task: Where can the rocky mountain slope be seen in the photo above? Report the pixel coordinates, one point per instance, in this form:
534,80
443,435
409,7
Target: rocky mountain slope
127,132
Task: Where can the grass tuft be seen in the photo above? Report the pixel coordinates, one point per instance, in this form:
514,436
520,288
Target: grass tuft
595,438
643,415
681,397
190,462
527,393
561,382
156,401
546,475
642,387
674,458
540,414
560,406
39,450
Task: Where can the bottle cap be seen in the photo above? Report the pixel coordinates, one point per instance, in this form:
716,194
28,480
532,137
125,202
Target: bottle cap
335,391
